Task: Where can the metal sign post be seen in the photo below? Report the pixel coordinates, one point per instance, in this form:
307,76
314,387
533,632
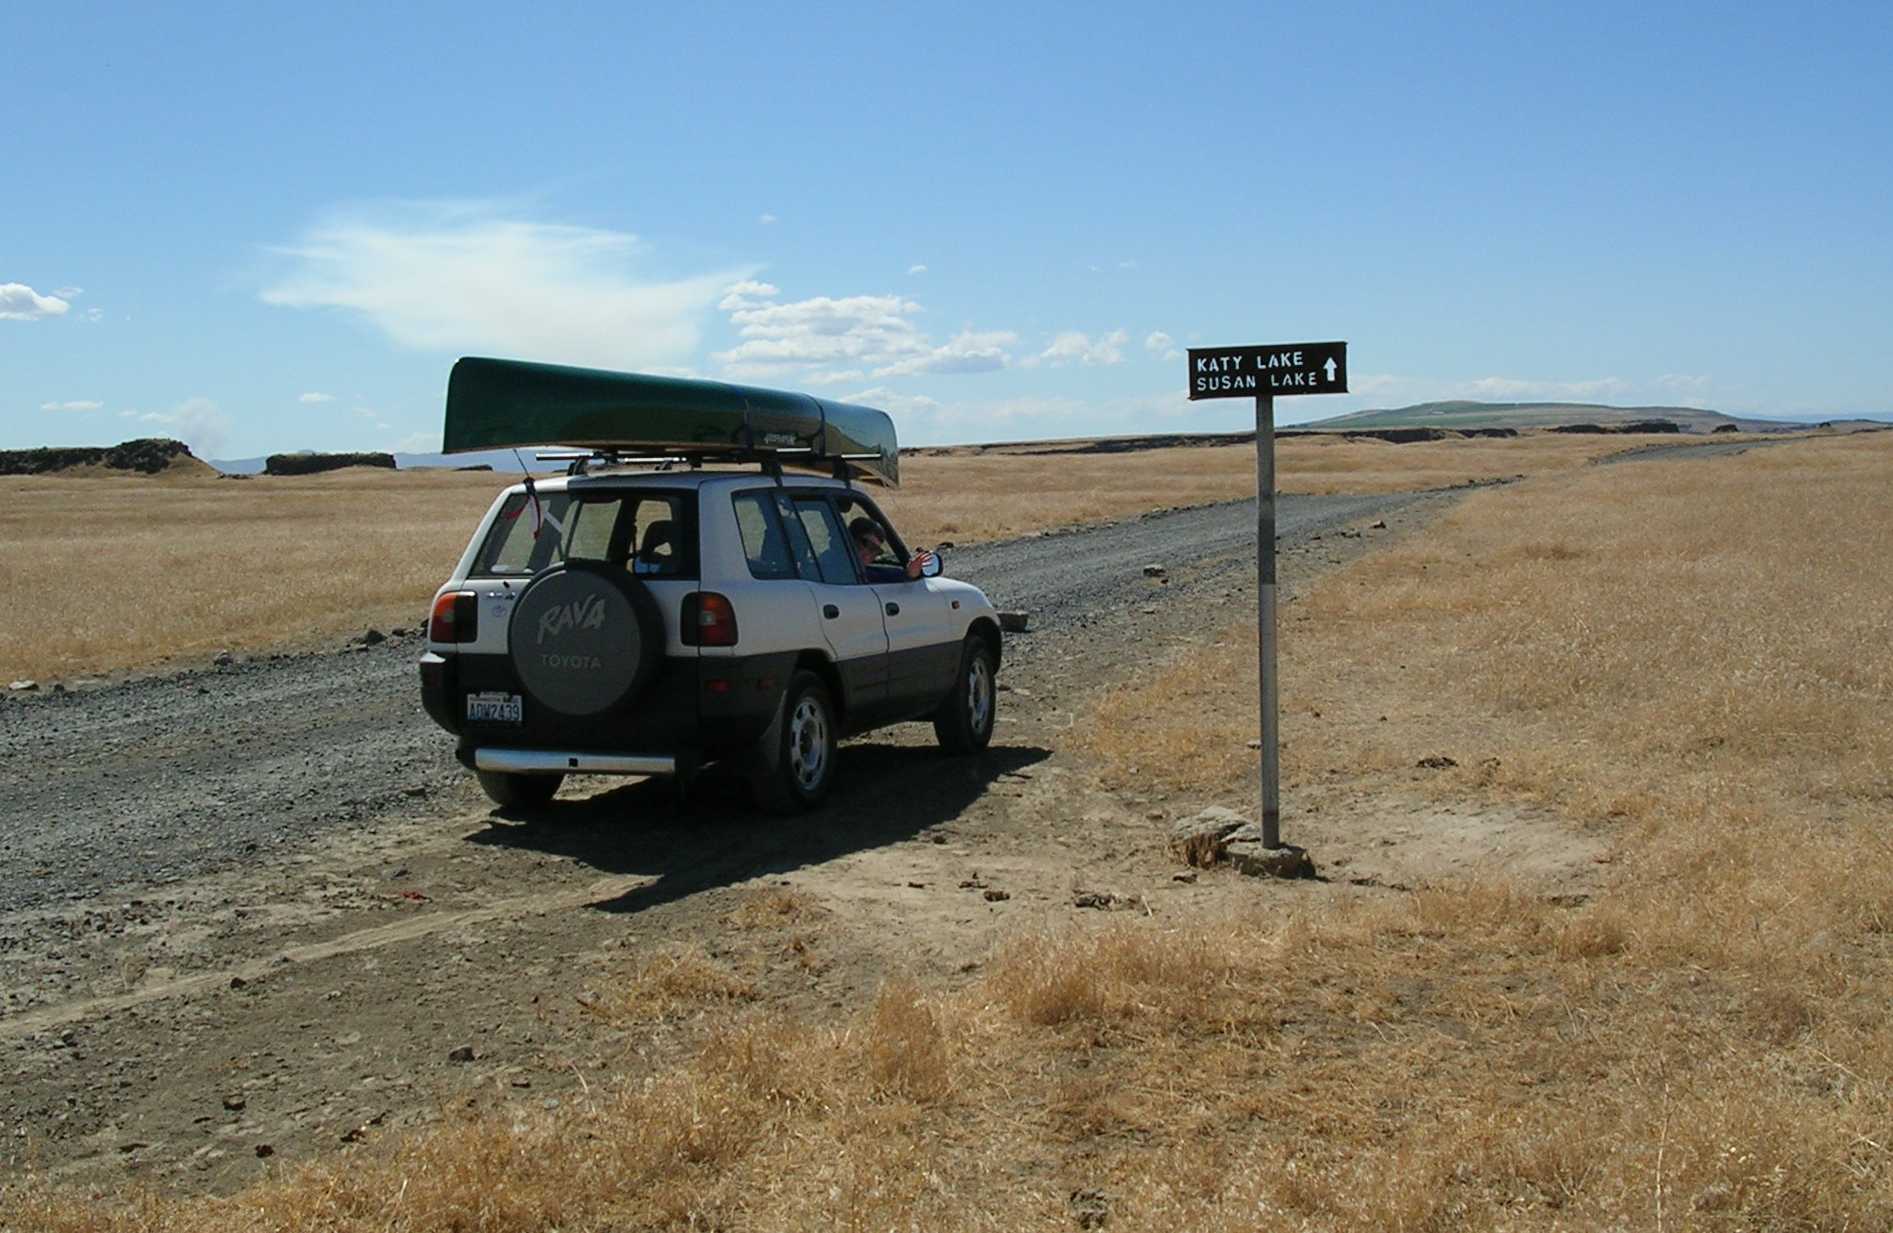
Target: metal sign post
1265,619
1263,372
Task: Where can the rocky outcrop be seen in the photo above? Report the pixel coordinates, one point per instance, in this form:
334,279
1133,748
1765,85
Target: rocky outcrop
1632,426
145,456
311,463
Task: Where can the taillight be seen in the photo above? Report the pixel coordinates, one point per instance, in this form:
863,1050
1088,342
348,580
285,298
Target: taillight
456,618
708,620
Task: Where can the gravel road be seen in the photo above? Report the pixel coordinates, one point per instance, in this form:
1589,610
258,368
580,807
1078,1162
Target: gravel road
149,782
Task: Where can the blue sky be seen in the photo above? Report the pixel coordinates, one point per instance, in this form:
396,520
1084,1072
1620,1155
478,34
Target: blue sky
266,229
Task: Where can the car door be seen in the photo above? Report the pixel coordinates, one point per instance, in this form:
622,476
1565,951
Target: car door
851,612
923,632
923,646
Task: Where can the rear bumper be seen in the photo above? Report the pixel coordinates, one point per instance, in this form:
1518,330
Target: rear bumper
570,762
439,695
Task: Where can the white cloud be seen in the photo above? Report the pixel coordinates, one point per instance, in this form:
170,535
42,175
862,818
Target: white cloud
1684,385
1512,389
916,269
967,351
834,376
765,219
19,302
314,397
1076,347
894,402
76,404
1162,345
847,338
747,294
69,293
95,314
196,421
459,278
417,443
1393,390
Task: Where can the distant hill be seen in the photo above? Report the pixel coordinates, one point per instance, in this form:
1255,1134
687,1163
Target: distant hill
1469,414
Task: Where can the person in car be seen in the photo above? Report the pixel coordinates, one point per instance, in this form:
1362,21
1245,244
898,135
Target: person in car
870,545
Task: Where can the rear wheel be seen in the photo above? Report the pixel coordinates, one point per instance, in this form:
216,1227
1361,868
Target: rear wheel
795,758
964,722
510,791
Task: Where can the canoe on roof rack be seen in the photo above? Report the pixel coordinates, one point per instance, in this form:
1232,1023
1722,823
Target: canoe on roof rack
502,404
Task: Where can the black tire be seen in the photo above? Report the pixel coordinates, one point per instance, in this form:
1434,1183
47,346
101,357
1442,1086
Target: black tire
511,791
964,722
794,760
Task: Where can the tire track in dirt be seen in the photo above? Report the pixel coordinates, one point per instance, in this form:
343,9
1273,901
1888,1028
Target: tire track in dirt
409,930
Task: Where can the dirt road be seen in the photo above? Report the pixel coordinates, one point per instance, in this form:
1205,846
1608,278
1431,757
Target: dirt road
255,913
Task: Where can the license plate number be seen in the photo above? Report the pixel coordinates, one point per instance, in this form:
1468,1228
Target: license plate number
494,709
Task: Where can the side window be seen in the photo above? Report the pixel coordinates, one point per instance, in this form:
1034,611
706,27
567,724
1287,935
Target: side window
763,541
829,542
869,533
798,538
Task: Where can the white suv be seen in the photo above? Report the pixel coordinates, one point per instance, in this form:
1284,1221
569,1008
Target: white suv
647,622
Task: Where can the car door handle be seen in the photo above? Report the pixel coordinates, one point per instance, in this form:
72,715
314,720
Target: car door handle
893,609
830,611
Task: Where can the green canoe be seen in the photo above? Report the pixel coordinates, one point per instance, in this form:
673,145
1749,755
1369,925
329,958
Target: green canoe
498,404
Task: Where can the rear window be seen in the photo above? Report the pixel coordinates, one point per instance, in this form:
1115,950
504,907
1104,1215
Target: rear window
649,533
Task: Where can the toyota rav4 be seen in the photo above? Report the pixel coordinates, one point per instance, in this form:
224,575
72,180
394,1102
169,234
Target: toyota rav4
646,622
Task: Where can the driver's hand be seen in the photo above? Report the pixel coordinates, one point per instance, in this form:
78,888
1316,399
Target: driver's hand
917,562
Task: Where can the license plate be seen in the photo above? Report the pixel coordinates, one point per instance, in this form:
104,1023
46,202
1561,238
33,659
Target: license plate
494,709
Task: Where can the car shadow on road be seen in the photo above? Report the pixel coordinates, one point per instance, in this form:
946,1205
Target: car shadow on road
717,837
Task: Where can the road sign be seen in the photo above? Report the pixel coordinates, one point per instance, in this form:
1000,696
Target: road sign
1280,368
1261,373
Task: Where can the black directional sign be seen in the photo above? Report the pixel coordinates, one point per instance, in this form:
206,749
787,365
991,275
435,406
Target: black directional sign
1261,371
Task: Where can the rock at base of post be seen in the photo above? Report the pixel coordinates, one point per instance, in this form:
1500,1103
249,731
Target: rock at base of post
1199,840
1248,856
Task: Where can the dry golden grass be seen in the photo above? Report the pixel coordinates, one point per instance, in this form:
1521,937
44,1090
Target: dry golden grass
1693,656
674,983
101,575
1009,491
1710,1035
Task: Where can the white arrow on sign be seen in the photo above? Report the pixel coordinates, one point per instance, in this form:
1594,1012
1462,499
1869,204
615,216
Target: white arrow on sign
1330,367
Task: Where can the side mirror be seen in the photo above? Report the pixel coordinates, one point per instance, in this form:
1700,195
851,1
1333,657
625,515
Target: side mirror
933,565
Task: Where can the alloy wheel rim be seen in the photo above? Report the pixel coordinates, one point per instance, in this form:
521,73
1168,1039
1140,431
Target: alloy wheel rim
808,743
979,694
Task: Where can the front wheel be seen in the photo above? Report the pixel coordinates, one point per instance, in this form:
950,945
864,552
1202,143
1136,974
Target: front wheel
510,791
964,722
795,759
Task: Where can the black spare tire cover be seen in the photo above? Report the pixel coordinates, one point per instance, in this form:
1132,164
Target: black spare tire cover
584,638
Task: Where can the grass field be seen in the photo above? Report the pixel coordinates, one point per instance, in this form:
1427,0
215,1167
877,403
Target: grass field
1692,660
102,575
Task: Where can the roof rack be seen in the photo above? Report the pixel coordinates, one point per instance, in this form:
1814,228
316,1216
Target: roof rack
583,462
